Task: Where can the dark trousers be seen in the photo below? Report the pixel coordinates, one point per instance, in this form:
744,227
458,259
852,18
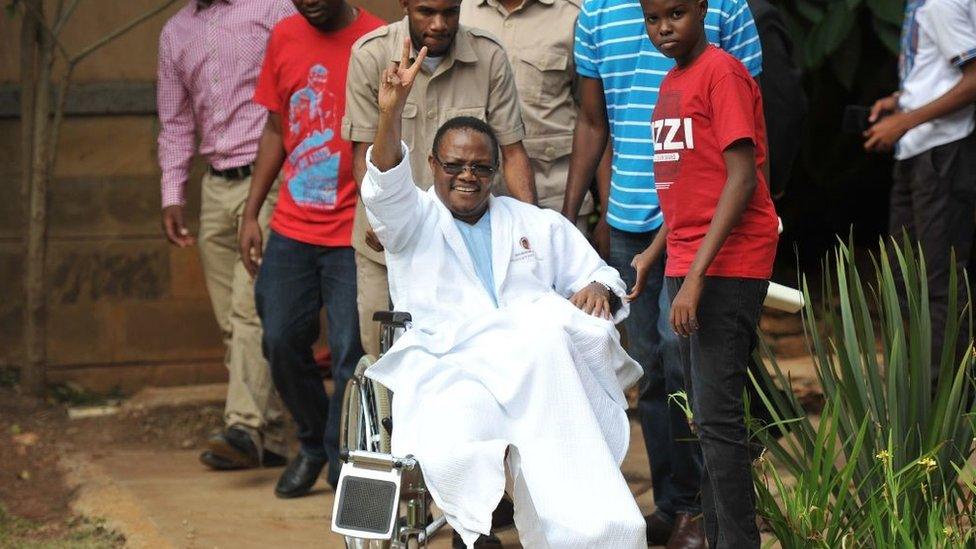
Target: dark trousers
295,282
933,198
716,359
673,453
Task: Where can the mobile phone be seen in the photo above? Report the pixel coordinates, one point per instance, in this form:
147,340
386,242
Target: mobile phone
855,119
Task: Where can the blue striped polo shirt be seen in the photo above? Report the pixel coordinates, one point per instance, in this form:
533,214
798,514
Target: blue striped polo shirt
612,45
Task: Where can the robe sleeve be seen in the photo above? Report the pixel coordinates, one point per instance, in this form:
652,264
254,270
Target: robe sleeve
394,204
577,265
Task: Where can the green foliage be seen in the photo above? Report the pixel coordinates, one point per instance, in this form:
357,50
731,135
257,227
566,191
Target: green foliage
831,31
848,51
885,466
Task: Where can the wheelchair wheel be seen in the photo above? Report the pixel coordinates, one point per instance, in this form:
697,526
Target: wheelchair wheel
366,404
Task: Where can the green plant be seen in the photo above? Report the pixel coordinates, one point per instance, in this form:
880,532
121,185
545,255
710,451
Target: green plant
882,466
834,32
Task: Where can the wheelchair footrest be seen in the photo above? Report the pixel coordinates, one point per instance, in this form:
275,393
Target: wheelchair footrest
367,500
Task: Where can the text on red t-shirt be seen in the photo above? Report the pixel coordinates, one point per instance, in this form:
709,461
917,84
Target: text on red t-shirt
701,110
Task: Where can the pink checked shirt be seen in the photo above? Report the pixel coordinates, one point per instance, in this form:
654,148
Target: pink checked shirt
209,61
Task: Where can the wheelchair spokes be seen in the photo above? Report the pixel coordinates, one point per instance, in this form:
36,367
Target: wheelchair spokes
381,500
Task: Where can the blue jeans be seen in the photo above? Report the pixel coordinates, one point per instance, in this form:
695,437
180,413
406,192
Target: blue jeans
716,360
674,454
296,280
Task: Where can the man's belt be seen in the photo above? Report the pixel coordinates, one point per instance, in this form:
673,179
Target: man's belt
239,172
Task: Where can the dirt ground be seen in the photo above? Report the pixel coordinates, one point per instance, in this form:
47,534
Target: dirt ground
35,500
150,451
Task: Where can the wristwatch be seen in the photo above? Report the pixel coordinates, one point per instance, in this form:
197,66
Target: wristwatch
612,297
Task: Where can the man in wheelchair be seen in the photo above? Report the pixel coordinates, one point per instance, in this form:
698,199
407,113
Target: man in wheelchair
512,377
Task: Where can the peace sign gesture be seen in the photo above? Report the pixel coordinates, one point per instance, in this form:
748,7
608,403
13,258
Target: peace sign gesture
396,80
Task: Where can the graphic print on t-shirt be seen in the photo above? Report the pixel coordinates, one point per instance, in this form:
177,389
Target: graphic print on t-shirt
312,170
671,135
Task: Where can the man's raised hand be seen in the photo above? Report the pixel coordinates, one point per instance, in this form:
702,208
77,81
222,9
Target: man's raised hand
397,80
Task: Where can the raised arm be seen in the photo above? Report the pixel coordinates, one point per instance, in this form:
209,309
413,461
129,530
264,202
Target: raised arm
393,202
395,85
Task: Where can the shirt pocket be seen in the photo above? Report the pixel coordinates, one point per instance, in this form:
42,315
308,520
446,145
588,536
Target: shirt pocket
541,75
409,121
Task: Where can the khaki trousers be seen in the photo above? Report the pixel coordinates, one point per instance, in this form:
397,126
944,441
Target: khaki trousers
372,294
252,402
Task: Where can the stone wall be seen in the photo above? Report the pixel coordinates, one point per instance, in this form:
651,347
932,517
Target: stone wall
125,309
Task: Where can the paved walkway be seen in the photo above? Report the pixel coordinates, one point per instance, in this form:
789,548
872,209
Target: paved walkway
167,499
160,499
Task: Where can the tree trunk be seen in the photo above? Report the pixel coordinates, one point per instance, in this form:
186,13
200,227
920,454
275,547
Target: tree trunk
41,123
28,85
34,376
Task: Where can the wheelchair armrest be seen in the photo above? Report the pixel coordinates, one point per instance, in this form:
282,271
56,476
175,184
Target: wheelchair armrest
393,318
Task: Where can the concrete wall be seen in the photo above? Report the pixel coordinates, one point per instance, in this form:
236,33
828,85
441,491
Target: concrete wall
125,309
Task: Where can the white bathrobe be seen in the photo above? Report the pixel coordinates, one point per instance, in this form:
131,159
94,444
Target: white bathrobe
535,377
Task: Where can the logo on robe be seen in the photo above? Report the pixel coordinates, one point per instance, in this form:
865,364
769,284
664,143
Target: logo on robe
524,242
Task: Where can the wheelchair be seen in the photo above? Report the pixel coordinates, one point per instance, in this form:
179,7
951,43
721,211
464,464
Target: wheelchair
381,500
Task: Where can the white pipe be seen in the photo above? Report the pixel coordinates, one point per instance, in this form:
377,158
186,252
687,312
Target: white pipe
783,298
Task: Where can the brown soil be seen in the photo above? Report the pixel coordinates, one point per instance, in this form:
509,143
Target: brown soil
34,499
163,429
31,487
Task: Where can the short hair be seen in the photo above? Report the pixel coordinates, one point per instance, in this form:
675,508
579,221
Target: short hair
467,123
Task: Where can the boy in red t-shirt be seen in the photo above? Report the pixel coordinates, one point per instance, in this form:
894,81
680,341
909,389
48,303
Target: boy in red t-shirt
720,231
308,262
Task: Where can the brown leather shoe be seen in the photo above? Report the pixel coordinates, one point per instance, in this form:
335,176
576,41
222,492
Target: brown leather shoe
688,533
658,529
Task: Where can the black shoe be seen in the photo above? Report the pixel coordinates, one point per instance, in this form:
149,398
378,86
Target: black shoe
490,541
234,445
272,459
298,478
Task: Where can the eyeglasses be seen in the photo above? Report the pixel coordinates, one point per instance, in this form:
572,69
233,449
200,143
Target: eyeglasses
481,171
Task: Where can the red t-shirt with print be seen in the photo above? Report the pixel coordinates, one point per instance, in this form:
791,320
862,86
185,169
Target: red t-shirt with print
304,81
701,110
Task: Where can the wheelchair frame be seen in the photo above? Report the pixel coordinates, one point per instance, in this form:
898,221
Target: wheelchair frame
365,428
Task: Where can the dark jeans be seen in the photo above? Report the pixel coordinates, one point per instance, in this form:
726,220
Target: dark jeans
716,359
671,448
933,198
295,281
